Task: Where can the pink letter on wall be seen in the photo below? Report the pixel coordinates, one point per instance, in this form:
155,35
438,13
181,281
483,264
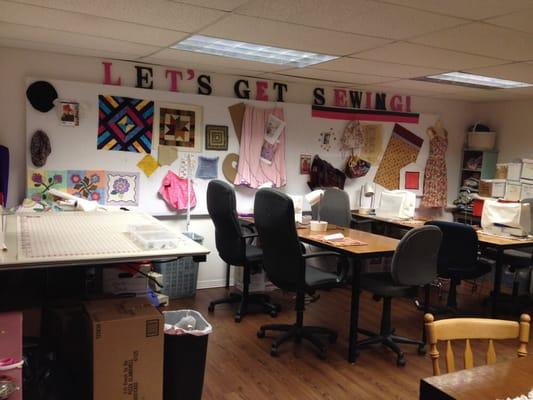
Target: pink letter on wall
396,103
340,97
173,78
368,96
107,75
261,90
407,103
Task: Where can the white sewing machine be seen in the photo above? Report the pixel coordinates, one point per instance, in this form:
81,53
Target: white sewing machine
506,219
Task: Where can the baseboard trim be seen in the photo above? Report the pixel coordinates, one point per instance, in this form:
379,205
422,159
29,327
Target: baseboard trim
212,283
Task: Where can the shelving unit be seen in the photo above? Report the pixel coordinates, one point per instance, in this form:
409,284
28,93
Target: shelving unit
478,164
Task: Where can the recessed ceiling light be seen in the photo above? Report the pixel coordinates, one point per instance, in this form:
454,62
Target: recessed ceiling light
471,80
250,51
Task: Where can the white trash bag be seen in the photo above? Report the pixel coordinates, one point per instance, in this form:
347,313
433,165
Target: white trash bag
186,322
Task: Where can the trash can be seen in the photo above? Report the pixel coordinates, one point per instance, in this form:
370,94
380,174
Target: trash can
186,334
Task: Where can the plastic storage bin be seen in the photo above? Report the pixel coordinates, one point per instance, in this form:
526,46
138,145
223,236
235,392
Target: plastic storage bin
481,140
184,356
180,275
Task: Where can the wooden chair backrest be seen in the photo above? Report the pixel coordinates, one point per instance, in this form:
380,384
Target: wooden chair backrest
473,328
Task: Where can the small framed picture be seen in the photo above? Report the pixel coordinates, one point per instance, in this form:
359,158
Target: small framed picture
305,164
216,137
69,113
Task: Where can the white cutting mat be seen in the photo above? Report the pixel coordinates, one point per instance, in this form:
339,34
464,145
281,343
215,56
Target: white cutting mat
77,234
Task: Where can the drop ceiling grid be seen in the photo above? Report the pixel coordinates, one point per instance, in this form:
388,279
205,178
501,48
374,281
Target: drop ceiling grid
381,42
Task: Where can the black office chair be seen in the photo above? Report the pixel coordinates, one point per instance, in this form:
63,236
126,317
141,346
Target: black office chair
233,248
459,257
414,264
285,266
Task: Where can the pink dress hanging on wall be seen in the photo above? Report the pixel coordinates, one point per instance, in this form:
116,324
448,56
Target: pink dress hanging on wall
435,175
251,171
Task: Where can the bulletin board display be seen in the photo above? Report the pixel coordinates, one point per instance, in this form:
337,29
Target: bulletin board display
82,147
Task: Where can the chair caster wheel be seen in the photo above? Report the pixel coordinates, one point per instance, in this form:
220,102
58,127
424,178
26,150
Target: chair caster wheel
260,333
273,313
211,307
238,318
322,354
422,350
333,338
400,362
274,352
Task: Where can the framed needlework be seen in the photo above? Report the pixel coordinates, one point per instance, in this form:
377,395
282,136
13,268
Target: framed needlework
412,179
180,126
216,137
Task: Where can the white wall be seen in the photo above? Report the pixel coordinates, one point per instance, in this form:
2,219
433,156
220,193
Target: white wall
513,123
16,65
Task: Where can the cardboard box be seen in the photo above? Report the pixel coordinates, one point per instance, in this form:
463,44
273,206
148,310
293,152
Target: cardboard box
492,188
127,349
513,191
126,279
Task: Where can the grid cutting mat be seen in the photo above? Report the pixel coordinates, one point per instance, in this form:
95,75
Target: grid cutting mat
76,234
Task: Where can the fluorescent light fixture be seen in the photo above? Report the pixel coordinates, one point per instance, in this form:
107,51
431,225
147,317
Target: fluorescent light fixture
462,78
250,51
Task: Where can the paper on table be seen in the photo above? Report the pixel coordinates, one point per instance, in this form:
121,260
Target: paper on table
527,169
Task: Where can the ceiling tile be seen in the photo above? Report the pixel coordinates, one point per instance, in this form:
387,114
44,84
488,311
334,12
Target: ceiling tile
86,24
520,21
356,16
522,72
335,76
359,66
225,5
59,38
187,57
296,79
63,49
483,39
424,56
471,9
291,36
427,87
158,13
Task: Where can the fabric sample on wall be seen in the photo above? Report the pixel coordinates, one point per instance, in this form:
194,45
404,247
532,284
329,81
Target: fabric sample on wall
402,149
372,142
207,167
39,181
122,188
435,175
125,124
251,171
166,155
174,191
148,165
88,185
4,174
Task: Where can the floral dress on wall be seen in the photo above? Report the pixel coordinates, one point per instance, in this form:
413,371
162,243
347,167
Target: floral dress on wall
435,175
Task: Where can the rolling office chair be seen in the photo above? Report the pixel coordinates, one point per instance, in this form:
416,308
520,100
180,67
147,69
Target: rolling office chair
233,249
334,207
458,256
285,266
414,264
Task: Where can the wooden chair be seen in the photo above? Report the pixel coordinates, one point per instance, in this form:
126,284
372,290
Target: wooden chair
473,328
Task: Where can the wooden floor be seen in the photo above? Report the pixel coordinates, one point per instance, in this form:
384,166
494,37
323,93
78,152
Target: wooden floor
239,365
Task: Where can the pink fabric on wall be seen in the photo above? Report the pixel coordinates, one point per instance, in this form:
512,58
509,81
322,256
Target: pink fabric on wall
174,191
251,171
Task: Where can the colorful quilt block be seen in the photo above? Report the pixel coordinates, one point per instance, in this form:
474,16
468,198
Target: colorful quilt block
40,181
125,124
89,185
122,188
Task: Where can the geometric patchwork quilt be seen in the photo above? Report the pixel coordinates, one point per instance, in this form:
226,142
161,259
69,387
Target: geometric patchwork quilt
125,124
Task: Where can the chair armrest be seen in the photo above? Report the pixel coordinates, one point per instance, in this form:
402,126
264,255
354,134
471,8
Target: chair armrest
250,235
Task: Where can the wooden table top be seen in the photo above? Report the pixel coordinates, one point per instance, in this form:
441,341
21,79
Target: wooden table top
497,381
486,239
406,223
375,244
